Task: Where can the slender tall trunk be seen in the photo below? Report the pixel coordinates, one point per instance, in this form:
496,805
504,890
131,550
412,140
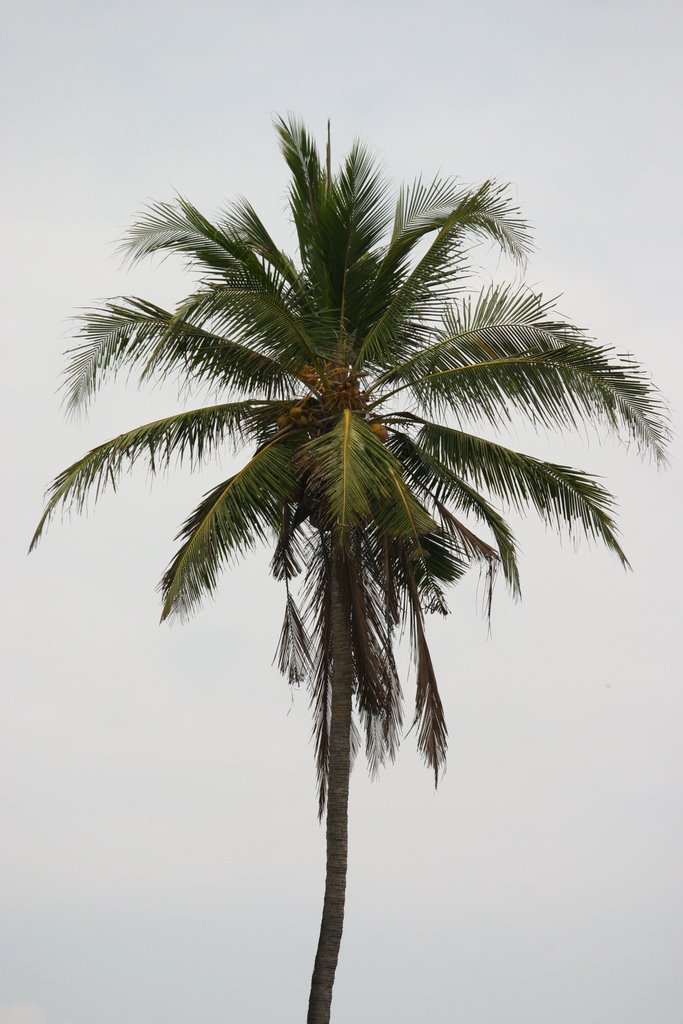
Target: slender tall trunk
332,922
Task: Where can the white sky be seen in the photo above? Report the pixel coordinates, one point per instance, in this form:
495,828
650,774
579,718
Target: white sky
161,859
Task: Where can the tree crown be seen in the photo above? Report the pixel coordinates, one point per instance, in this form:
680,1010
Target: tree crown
356,371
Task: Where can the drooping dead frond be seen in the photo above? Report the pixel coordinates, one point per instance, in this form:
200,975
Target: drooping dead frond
432,734
476,549
294,646
287,557
378,688
318,613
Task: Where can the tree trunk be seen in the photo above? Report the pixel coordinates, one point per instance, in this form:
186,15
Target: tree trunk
332,922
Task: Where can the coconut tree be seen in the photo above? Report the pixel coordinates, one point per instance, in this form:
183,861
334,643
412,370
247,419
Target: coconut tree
357,374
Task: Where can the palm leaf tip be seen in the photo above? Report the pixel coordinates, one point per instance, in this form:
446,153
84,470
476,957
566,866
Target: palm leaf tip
35,539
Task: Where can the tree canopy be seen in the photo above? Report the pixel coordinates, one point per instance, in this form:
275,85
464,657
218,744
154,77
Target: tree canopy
356,373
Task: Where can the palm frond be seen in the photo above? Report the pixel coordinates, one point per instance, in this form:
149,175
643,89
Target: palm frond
469,544
562,497
288,556
433,559
352,226
308,188
486,211
440,563
419,295
361,201
179,227
417,304
230,520
190,437
293,652
432,734
378,690
438,482
560,388
240,220
317,612
501,321
249,277
262,318
340,219
505,353
136,334
475,549
351,466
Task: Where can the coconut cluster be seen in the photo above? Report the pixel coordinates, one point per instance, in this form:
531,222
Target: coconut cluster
332,390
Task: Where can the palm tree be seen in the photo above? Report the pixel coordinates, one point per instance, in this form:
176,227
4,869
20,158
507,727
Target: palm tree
356,373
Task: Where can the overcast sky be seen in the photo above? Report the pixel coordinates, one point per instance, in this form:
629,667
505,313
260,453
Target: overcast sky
161,859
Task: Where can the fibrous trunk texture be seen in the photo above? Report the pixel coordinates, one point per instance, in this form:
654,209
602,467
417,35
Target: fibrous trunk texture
337,810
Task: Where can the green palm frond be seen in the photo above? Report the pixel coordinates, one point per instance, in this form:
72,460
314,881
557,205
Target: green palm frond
421,208
419,295
340,220
352,224
308,187
562,497
433,559
231,519
501,321
254,284
559,388
136,334
240,220
189,437
179,227
436,481
112,337
439,564
404,515
418,302
351,467
361,202
436,560
262,318
504,353
486,211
